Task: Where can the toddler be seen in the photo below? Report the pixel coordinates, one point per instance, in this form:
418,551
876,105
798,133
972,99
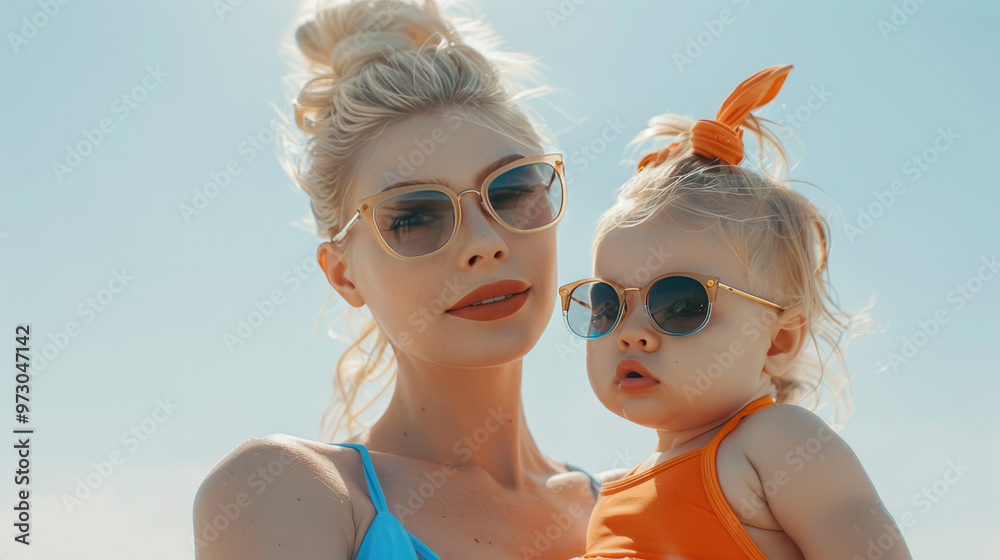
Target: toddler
709,292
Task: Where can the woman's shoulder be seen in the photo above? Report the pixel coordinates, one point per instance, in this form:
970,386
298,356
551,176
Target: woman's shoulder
278,496
285,461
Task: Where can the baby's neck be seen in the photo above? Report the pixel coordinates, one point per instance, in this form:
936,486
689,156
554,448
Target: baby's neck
671,444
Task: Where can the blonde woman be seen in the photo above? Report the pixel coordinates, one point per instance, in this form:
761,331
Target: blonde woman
440,208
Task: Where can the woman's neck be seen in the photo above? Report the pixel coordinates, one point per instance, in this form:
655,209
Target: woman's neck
470,417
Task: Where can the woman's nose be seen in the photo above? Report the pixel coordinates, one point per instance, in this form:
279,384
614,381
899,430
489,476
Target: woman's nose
478,233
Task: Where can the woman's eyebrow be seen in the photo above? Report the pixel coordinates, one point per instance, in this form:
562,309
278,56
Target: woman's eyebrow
441,182
485,172
480,177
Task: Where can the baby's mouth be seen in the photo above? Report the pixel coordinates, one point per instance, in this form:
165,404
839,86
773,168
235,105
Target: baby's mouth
631,375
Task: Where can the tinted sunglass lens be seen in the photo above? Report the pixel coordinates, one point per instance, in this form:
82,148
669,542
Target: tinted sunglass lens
593,309
678,304
416,223
527,197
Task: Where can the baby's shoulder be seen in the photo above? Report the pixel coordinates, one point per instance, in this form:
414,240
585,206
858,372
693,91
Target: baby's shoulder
775,428
765,451
278,490
779,436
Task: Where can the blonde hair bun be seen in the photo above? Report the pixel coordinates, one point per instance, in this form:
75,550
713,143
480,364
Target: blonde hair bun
340,35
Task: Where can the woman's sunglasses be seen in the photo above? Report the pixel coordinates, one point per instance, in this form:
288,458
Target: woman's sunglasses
417,221
678,304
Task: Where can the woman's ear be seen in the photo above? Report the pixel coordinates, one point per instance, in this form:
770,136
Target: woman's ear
788,334
333,262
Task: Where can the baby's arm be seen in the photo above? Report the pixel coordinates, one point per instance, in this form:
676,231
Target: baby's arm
826,503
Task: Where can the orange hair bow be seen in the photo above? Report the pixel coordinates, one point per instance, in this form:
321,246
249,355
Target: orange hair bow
722,138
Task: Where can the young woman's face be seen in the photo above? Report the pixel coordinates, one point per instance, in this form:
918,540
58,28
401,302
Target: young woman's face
416,303
692,380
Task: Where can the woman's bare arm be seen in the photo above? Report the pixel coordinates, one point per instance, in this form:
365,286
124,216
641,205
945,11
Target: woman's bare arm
272,498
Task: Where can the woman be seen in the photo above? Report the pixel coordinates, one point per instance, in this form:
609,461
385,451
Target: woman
440,207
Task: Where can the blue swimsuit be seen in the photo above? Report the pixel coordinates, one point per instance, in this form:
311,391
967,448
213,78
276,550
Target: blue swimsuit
386,538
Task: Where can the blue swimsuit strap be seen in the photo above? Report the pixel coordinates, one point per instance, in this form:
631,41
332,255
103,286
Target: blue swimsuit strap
422,550
374,488
594,485
378,499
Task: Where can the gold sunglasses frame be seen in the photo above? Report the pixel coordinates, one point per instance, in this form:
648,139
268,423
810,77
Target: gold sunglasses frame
710,283
367,205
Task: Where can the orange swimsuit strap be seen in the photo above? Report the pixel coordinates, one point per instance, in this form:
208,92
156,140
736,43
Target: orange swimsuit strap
675,509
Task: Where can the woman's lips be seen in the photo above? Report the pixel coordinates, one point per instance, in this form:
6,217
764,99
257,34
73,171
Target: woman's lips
492,301
639,380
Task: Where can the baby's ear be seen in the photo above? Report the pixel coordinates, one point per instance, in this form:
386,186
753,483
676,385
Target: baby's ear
334,263
788,334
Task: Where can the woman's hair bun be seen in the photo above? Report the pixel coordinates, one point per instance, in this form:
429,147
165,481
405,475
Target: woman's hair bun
340,35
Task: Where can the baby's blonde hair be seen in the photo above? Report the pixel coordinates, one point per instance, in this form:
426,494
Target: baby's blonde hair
780,238
375,63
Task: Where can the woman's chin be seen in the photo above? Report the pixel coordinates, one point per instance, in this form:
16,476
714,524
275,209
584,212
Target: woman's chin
475,354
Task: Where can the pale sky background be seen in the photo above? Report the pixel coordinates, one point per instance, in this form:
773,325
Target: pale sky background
888,95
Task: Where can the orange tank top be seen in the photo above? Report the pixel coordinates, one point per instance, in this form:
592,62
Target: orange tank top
675,509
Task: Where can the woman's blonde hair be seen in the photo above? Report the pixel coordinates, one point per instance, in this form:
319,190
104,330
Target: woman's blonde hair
373,63
780,238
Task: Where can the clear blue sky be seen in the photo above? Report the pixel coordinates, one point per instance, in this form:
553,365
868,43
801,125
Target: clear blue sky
102,243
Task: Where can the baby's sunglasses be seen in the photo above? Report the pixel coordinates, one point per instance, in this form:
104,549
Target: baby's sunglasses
416,221
678,304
